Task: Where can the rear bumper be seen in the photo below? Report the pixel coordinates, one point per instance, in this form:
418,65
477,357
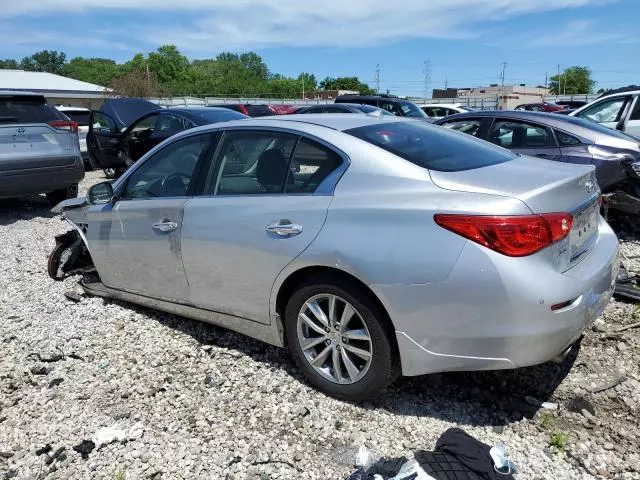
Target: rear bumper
495,313
15,183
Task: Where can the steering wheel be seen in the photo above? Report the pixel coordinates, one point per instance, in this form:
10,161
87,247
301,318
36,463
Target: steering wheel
175,182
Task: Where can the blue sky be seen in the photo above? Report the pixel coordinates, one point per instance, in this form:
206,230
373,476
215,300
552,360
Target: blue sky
465,41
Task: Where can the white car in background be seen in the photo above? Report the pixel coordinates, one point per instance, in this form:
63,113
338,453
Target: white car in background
81,116
437,111
619,111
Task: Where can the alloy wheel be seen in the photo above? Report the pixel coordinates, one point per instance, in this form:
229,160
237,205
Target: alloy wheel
334,339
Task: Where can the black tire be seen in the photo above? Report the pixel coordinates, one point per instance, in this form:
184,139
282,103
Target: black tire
384,368
58,196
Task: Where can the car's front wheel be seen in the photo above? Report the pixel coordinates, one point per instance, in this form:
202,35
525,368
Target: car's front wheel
337,337
58,196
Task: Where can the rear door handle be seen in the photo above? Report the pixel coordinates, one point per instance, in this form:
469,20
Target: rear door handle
284,228
165,226
544,155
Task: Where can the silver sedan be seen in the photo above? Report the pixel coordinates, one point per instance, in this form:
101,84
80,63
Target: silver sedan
370,246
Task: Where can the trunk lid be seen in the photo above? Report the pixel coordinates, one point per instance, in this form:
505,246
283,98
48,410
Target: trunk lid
545,187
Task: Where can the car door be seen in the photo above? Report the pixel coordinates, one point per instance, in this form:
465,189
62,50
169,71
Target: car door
608,111
104,141
137,239
139,137
265,201
526,138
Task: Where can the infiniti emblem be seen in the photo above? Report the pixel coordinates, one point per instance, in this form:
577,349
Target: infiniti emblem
589,186
21,130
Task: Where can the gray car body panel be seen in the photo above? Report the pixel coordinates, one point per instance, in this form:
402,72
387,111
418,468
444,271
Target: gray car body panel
454,305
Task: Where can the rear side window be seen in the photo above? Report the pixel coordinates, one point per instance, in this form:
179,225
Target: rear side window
466,126
311,164
566,140
432,147
26,109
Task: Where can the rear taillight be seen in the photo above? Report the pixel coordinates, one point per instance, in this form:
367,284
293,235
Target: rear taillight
244,110
65,125
514,236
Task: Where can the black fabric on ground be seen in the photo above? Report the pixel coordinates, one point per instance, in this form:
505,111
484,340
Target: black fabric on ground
472,453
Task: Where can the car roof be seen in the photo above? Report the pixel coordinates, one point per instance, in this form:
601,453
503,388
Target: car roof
65,108
7,93
191,110
372,97
444,105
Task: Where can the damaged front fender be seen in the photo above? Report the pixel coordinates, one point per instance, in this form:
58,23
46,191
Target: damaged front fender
69,257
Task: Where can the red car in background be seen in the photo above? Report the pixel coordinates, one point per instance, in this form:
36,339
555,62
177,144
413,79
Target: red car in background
258,110
541,107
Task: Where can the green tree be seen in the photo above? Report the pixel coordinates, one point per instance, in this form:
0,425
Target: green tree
9,64
346,83
170,66
50,61
99,71
574,80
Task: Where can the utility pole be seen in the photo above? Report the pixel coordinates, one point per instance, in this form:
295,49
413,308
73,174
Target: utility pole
377,78
546,81
427,78
446,82
303,86
559,82
504,68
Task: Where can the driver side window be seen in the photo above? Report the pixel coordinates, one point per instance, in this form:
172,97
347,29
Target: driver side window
169,172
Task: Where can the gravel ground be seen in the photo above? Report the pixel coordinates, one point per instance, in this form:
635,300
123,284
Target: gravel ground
214,404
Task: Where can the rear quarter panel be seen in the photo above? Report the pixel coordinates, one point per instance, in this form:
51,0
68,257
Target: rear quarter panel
380,225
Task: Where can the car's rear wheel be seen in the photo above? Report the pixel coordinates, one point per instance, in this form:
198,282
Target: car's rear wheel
337,337
58,196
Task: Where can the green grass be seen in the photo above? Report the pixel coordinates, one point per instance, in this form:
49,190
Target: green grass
560,441
545,420
120,475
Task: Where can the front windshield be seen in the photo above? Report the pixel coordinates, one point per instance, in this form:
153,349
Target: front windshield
411,110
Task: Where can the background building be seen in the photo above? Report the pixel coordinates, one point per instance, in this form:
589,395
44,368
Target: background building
58,90
508,97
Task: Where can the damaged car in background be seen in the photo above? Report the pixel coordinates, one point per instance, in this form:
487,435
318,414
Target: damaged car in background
124,129
370,246
615,155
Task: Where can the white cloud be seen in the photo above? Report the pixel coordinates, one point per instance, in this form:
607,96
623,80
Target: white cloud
248,24
574,34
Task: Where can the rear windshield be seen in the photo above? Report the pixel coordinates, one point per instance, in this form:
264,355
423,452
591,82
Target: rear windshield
80,116
432,147
26,109
222,115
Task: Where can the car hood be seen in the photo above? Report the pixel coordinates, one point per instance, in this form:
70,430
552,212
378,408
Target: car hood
126,110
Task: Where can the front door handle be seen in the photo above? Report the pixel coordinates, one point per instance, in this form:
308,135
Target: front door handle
165,226
284,228
544,155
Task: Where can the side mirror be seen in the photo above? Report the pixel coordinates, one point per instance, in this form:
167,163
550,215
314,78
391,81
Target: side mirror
100,193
